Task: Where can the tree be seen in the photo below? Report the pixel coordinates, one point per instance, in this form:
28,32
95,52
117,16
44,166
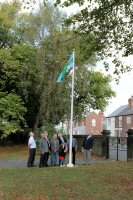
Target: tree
110,24
92,90
12,109
31,65
8,15
12,113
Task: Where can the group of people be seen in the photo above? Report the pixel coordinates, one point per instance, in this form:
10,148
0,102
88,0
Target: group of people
57,148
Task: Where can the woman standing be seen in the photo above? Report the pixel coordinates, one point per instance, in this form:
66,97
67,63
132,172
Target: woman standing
54,143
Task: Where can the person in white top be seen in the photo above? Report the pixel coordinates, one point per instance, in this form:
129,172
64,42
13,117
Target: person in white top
32,150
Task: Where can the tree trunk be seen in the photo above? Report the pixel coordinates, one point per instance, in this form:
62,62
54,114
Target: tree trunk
35,125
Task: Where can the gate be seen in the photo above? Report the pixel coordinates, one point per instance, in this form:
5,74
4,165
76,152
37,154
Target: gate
118,148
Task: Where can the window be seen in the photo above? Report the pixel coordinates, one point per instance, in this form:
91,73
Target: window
120,121
109,122
129,120
93,122
82,123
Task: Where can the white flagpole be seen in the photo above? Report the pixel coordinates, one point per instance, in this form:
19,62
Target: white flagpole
71,127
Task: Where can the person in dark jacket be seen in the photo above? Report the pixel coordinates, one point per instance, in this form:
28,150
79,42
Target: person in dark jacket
61,139
74,149
86,148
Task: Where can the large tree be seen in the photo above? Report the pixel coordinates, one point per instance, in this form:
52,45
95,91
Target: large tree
31,65
110,26
12,109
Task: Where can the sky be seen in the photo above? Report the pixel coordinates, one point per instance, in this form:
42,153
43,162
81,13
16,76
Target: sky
124,90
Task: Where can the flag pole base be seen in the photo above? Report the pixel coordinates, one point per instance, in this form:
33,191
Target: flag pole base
70,165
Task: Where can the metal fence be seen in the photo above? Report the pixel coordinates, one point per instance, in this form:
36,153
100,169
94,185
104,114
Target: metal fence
118,148
115,148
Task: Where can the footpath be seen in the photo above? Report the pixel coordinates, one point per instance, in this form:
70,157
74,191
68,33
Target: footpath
23,163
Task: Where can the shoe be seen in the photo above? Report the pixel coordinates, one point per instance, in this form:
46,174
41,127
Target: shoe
33,166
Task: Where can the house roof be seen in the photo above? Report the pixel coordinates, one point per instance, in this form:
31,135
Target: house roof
122,110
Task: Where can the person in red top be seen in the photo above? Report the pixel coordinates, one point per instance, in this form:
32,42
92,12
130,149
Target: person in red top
62,154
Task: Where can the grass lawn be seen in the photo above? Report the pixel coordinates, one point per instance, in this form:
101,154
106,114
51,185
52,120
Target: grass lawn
21,153
13,153
105,181
108,181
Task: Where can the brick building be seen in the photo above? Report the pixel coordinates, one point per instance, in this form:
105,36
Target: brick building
93,123
121,119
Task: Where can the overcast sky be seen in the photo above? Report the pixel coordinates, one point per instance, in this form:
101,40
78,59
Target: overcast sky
124,90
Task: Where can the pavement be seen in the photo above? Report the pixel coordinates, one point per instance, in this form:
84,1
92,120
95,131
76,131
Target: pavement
4,164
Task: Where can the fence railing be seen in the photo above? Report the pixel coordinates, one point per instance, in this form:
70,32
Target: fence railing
116,148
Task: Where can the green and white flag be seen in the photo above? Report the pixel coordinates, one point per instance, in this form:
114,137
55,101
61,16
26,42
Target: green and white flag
66,69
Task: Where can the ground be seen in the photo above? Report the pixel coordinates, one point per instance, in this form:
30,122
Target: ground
101,180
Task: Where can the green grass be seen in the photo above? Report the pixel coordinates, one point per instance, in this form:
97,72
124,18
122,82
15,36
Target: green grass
21,153
15,153
108,181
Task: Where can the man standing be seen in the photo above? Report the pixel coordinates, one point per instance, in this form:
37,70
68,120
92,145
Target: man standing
32,150
86,148
44,150
74,149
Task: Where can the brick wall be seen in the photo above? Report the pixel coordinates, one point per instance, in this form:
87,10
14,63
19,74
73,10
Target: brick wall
99,147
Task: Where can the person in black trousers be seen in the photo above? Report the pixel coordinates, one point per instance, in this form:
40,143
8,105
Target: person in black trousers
32,150
86,148
74,149
44,150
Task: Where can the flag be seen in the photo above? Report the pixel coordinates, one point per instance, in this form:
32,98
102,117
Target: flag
66,69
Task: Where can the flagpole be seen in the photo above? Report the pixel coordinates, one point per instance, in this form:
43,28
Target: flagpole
71,126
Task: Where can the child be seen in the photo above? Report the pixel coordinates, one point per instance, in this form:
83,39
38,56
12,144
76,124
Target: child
62,154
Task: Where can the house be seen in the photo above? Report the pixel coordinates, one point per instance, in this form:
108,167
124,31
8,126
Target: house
121,119
93,123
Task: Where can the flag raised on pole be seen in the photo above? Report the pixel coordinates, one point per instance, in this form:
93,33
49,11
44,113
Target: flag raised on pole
70,65
66,69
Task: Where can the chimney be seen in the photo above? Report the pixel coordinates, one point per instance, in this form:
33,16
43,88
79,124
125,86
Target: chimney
101,114
130,102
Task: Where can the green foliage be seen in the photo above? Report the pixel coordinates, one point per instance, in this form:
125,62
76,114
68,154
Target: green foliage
8,15
12,113
9,71
29,69
92,90
110,23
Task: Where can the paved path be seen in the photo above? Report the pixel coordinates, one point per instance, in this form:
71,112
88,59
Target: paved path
23,163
